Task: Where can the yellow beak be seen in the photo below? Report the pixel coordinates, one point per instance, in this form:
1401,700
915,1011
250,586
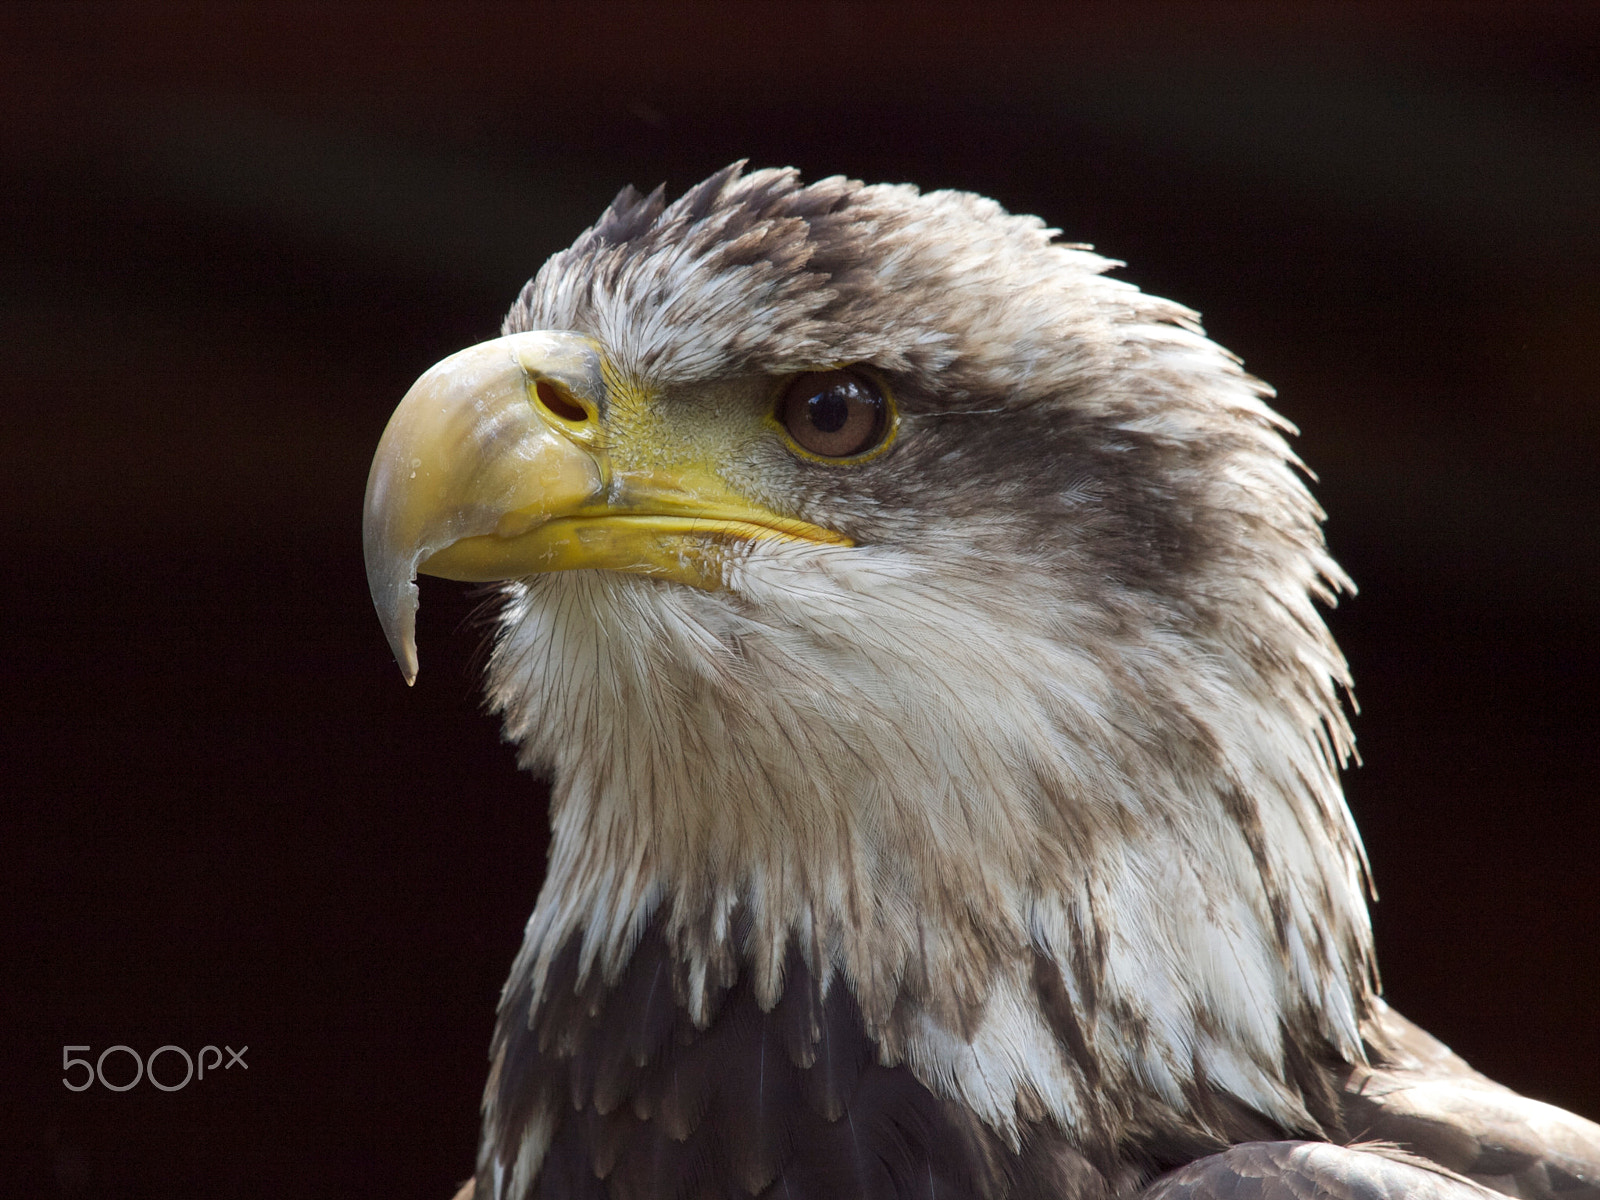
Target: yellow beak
496,465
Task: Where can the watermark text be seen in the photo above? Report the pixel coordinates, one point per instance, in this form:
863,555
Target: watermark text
123,1059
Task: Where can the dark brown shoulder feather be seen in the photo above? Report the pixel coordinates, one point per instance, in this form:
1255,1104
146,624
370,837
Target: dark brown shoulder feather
1423,1098
1310,1171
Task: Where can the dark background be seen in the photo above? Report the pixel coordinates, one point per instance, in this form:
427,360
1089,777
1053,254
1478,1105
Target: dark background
233,236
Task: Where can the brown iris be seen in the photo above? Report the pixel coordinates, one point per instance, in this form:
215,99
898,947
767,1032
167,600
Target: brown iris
834,414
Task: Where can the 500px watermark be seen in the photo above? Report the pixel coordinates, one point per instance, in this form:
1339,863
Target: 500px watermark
145,1068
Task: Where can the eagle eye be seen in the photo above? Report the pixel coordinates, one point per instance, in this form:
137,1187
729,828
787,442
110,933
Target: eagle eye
834,414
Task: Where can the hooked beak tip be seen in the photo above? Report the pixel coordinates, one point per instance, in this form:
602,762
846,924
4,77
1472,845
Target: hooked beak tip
397,611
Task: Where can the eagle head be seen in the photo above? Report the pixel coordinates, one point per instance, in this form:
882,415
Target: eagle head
911,616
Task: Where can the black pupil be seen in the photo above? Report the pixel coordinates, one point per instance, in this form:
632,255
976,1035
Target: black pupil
829,409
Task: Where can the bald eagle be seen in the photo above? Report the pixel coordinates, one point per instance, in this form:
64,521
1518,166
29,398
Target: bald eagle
919,630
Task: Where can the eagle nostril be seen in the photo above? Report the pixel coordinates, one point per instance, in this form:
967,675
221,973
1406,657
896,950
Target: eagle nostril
556,400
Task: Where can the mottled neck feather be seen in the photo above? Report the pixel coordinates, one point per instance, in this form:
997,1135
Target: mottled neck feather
1071,867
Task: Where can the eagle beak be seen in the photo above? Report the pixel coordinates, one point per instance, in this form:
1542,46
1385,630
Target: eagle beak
467,449
496,465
